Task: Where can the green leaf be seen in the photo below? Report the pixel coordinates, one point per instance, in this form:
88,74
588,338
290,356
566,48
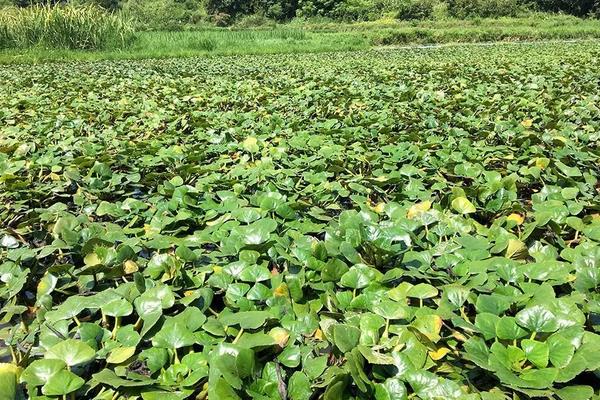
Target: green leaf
537,319
61,383
539,378
39,371
120,354
299,386
359,276
507,329
258,232
290,357
578,392
428,386
233,362
389,309
72,352
118,308
252,340
536,352
314,367
560,350
155,358
246,319
422,291
493,304
108,377
391,389
255,273
345,337
173,335
487,324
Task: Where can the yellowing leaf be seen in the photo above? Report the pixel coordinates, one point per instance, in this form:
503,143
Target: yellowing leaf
250,144
281,290
418,209
516,249
130,267
219,220
459,336
439,353
379,208
9,378
120,354
517,218
463,205
429,325
280,336
150,230
319,334
559,140
527,123
542,162
92,259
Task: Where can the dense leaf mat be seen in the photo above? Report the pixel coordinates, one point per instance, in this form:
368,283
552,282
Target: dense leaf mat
375,225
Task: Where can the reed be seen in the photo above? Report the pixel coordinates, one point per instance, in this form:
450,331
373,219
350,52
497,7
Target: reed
64,27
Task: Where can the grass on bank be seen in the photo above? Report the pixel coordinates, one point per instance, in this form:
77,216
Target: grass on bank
201,43
297,37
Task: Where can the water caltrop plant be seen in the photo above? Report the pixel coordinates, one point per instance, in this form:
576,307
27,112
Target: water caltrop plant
389,225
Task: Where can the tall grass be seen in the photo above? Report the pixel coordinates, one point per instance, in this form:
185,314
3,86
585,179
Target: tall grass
63,27
223,40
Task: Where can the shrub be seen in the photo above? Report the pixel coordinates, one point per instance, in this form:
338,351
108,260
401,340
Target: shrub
65,27
316,8
221,19
276,9
166,15
416,9
229,7
355,10
483,8
254,20
576,7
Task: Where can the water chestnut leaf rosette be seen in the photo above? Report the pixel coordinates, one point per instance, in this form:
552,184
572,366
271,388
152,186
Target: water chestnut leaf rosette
390,224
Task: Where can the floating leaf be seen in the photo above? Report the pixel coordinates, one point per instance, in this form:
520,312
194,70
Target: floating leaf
246,319
345,337
537,319
39,371
61,383
72,352
463,205
418,209
9,375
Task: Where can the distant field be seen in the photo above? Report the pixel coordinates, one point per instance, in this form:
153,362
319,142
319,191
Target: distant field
386,224
323,37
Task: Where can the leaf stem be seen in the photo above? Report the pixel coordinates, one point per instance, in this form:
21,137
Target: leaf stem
387,327
116,327
237,337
